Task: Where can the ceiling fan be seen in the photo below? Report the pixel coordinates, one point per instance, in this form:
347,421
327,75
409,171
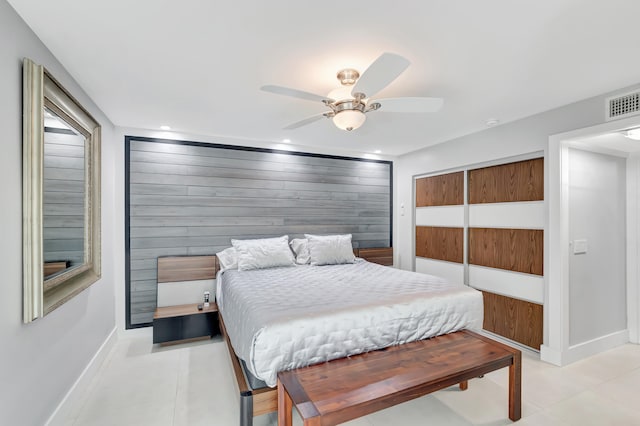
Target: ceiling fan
349,103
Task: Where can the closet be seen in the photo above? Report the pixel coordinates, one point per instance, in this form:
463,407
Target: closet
484,227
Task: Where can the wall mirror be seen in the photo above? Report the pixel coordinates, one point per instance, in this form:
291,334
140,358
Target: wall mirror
61,194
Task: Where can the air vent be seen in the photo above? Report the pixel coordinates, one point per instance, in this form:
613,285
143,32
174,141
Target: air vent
622,106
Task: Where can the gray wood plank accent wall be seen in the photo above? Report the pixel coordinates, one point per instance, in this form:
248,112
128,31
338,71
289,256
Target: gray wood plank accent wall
63,192
189,198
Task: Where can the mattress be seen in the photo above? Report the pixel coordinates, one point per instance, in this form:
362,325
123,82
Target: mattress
284,318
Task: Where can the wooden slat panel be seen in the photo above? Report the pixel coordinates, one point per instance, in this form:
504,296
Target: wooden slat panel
440,243
519,181
197,180
252,160
519,250
191,200
228,171
441,190
382,256
514,319
186,268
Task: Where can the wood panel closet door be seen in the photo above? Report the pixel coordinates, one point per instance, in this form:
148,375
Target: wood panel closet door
514,319
519,250
518,181
441,190
503,218
506,252
440,243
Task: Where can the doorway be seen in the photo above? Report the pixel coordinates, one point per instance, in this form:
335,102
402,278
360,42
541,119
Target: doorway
591,291
597,244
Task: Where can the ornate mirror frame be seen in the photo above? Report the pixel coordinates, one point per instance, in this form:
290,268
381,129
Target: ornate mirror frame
42,296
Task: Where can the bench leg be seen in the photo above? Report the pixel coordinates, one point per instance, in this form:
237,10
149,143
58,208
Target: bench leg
515,387
464,385
285,406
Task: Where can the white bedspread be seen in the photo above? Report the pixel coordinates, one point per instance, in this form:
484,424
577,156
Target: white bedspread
284,318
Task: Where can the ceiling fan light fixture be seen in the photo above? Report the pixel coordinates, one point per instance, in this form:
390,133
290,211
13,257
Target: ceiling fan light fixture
349,119
348,104
348,76
340,94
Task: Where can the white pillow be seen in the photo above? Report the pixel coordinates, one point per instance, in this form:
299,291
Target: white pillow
263,253
228,258
330,249
300,247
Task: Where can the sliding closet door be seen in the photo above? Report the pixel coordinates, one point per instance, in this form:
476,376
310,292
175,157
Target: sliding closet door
484,227
506,239
440,226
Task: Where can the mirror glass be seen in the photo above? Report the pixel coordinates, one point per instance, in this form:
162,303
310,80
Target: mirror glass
63,209
60,194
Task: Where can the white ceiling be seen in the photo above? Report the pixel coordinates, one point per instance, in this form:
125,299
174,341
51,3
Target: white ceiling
611,143
197,65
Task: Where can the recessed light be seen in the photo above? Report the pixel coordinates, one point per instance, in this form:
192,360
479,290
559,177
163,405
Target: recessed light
286,140
165,128
633,134
284,147
492,122
377,151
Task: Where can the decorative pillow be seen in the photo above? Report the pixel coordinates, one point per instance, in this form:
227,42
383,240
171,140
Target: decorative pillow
300,247
263,253
228,258
330,249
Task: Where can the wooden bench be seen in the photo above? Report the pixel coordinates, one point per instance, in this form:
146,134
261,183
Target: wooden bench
344,389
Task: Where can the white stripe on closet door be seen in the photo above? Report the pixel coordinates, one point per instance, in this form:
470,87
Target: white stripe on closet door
451,271
450,216
520,215
507,283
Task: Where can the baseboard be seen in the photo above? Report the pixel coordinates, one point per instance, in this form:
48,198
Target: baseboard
550,355
595,346
584,350
60,415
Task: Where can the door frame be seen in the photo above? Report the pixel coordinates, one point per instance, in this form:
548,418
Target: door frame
556,348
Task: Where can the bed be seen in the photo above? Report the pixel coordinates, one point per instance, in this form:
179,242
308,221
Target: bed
290,317
282,318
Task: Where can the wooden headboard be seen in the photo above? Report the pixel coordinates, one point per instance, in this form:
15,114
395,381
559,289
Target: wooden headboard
192,268
187,268
381,255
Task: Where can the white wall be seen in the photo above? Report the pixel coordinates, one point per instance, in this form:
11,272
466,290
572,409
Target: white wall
39,362
597,277
513,139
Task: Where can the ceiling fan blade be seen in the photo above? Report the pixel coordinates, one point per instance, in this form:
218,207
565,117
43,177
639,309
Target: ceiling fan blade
306,121
409,104
380,74
286,91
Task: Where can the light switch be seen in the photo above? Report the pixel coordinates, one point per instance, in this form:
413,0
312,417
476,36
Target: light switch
579,246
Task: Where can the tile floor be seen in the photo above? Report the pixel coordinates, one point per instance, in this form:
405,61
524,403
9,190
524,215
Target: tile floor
191,384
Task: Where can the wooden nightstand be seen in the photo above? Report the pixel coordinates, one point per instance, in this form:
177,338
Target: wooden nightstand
180,322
